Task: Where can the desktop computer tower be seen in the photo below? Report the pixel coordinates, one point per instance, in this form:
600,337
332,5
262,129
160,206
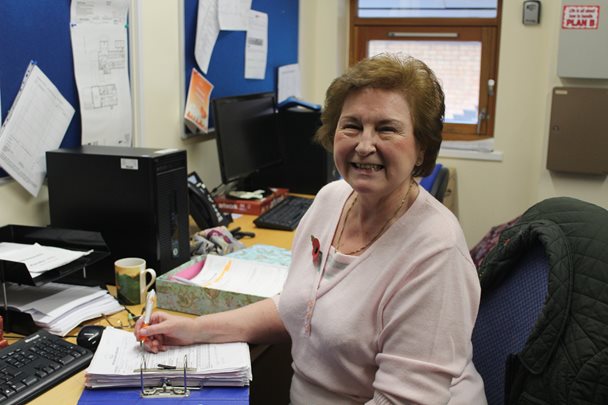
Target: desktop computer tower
135,197
306,165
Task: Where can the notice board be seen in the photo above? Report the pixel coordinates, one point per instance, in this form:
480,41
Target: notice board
227,66
38,31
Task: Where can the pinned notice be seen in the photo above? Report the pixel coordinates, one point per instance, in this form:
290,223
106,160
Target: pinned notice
197,105
36,123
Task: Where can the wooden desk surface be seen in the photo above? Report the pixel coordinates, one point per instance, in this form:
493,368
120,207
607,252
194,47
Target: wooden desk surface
69,391
262,236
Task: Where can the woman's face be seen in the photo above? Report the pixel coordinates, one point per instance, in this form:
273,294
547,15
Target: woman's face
375,149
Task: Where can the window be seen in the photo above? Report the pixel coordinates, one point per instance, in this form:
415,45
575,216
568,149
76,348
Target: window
458,39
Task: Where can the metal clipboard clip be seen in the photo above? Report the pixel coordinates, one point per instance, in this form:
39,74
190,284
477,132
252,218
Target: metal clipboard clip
166,389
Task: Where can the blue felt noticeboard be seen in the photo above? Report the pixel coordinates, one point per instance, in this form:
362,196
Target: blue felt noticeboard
227,66
40,31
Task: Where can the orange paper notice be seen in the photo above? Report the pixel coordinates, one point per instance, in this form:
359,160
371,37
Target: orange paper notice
197,104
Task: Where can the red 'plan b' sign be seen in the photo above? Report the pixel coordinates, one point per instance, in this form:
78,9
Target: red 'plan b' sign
580,17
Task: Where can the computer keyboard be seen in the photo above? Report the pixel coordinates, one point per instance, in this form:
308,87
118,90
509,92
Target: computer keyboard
37,363
285,215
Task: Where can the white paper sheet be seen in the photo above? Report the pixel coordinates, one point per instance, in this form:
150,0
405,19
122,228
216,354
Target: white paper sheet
207,31
38,258
256,45
233,14
289,82
35,124
100,50
51,299
241,276
94,308
119,356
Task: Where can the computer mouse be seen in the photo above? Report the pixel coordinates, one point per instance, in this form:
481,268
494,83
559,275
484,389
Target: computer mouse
89,336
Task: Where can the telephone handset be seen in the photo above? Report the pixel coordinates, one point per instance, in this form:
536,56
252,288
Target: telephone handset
203,209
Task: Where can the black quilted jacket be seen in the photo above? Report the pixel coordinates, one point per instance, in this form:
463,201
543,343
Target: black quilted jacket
565,359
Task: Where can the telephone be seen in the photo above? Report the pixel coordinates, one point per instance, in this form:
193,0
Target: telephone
203,209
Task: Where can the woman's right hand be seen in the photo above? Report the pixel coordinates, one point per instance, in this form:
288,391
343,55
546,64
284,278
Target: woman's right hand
166,330
254,323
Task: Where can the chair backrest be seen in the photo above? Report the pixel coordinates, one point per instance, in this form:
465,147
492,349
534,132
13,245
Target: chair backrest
441,184
507,315
436,183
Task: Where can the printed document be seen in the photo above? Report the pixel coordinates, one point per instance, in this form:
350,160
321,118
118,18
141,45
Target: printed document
256,45
233,14
100,49
119,357
207,31
36,123
289,82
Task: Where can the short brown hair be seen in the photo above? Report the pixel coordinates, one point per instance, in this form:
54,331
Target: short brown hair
410,77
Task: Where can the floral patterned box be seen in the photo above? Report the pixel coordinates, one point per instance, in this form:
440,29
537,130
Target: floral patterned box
176,296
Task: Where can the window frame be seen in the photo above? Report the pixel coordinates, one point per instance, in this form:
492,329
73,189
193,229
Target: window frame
486,30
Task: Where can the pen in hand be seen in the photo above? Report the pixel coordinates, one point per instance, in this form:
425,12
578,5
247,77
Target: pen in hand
147,314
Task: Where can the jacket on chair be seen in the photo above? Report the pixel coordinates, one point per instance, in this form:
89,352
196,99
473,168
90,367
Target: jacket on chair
565,359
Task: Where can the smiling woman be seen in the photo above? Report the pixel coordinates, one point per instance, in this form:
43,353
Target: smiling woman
382,294
396,267
412,84
375,152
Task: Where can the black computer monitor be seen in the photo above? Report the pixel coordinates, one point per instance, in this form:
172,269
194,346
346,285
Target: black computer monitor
246,135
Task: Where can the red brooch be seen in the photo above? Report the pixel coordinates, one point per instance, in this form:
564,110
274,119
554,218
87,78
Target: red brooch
316,252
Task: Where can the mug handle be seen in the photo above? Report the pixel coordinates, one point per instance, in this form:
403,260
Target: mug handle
143,287
152,278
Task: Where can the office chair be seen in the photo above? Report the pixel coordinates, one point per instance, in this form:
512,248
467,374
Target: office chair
541,335
506,318
436,183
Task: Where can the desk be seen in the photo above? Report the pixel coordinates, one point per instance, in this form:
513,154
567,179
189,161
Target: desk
69,391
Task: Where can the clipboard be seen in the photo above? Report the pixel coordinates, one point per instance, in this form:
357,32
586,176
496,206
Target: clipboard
206,396
167,390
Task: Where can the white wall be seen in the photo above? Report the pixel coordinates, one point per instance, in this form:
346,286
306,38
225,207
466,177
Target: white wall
163,88
489,192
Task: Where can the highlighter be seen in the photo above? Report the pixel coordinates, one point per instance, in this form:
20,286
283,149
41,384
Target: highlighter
148,313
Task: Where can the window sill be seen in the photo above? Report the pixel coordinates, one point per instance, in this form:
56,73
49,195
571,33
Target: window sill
495,156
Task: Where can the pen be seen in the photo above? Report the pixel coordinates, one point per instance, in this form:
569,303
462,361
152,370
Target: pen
147,313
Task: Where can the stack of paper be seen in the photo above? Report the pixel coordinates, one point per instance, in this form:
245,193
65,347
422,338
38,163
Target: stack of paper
227,273
119,357
59,308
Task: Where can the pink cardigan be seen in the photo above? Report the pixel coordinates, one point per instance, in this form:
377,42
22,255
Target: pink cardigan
395,325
